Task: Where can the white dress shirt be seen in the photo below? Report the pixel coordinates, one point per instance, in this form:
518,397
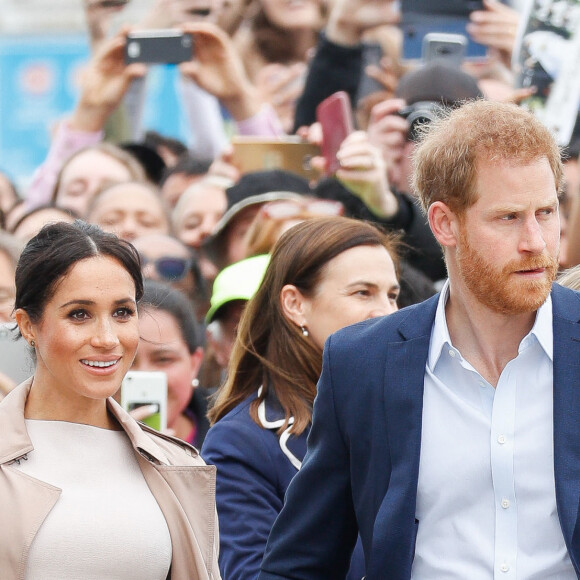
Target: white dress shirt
486,499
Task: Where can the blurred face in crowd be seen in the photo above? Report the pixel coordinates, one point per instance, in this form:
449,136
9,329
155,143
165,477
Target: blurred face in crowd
174,186
86,174
230,14
129,210
293,14
202,209
222,331
7,287
162,348
166,259
30,226
506,252
234,234
357,284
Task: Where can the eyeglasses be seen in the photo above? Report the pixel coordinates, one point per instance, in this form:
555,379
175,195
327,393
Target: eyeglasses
290,209
168,267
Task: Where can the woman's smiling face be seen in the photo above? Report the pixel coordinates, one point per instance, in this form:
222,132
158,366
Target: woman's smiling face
87,336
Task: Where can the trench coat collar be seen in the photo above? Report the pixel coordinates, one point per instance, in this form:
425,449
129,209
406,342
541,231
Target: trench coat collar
19,443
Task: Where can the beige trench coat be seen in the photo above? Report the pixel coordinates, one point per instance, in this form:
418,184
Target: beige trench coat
182,484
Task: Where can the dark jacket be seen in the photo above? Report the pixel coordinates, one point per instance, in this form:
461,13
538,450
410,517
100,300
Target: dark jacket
361,469
255,467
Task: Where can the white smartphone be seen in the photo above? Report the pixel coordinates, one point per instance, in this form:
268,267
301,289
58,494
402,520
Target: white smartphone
141,388
445,48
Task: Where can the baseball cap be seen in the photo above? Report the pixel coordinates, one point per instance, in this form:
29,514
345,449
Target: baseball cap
239,281
437,82
253,188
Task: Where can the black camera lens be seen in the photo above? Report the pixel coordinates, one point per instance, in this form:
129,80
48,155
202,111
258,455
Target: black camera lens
419,114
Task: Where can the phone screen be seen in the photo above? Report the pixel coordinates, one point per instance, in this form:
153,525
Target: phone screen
154,420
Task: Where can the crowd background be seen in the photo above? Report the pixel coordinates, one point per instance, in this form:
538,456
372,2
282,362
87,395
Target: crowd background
199,221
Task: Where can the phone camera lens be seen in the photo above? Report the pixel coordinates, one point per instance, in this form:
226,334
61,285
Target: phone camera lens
133,49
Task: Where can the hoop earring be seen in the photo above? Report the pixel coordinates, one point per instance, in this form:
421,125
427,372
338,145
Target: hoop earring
304,331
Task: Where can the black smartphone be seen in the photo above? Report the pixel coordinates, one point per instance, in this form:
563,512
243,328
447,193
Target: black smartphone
113,3
371,54
158,47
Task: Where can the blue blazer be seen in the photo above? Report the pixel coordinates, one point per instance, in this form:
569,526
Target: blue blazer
361,469
254,469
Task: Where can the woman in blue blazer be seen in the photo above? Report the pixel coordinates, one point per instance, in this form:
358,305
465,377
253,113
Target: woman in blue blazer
324,274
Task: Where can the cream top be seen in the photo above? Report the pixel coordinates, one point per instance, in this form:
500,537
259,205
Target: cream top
106,523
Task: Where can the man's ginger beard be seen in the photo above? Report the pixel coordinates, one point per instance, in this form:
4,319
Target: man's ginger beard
497,287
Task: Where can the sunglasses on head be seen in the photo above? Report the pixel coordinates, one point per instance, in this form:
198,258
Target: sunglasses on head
290,209
168,267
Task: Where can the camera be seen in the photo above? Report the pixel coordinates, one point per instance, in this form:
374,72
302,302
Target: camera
418,114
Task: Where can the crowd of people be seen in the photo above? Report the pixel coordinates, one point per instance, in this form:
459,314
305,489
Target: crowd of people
314,330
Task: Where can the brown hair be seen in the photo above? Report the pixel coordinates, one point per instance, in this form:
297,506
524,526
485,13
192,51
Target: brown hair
446,159
270,350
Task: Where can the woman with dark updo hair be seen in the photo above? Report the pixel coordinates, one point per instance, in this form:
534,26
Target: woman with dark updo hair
85,490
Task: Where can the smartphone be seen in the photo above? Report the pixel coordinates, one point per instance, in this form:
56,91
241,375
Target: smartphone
336,118
422,17
445,48
141,388
113,3
15,359
290,153
158,47
372,53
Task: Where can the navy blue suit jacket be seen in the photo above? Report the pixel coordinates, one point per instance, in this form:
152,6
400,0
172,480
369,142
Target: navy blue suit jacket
361,468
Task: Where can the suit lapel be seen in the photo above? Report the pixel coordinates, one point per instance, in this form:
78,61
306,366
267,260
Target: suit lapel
566,307
394,531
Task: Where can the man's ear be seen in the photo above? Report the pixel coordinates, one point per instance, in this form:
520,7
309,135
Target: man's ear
293,304
443,222
25,325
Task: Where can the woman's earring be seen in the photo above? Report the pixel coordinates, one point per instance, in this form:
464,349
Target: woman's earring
304,331
32,343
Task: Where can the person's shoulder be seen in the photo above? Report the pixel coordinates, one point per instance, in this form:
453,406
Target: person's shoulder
375,331
565,300
237,435
234,426
177,451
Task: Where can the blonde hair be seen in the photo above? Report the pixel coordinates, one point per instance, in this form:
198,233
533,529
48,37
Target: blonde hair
570,278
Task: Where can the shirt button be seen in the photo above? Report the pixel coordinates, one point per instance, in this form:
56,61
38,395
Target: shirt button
504,568
505,504
501,439
451,353
482,384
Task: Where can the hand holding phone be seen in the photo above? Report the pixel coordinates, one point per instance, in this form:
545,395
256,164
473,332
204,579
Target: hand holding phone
336,119
146,388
